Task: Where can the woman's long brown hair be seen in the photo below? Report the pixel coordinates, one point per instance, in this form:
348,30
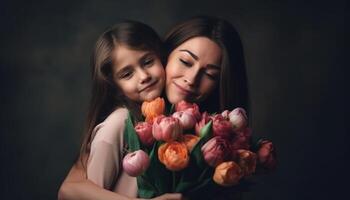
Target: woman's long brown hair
232,91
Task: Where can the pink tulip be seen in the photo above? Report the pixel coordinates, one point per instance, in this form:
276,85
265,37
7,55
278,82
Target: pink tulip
215,151
136,163
238,118
222,127
166,129
186,119
144,131
188,107
267,155
241,139
225,113
200,124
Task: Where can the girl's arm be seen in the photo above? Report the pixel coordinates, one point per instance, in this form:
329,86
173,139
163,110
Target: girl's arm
77,187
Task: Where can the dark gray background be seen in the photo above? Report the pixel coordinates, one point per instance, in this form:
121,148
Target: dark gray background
295,58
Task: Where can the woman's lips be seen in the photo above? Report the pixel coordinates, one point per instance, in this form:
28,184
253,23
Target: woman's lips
183,90
148,86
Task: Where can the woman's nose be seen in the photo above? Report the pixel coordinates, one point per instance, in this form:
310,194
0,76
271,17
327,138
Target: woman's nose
191,76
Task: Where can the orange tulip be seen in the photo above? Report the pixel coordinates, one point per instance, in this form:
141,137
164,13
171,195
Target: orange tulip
227,174
247,161
153,109
190,141
174,155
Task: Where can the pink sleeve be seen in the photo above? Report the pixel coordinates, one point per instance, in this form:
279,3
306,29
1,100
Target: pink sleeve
105,159
102,168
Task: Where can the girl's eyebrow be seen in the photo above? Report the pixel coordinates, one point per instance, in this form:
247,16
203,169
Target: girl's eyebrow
196,58
145,56
125,68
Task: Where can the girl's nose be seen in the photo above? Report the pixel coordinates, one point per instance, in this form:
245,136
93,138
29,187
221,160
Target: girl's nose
144,76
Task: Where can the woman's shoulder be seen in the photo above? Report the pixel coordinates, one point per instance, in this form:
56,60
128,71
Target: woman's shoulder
112,128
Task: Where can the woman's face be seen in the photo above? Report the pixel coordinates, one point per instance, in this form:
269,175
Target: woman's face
193,70
139,74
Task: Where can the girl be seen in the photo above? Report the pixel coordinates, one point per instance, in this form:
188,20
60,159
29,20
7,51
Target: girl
127,70
205,65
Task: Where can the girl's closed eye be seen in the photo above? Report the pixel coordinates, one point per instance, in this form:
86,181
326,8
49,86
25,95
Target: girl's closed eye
148,62
125,73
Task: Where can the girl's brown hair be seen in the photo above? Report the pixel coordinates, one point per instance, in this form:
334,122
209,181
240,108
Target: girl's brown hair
105,95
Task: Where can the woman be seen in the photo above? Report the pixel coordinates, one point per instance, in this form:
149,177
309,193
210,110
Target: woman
205,65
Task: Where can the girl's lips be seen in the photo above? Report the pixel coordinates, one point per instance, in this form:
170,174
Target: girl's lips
183,90
148,86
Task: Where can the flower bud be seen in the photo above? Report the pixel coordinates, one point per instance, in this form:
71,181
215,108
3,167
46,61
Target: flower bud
200,124
189,107
238,119
222,127
247,161
190,141
186,119
174,155
136,163
242,139
215,151
153,109
166,128
144,131
267,155
227,174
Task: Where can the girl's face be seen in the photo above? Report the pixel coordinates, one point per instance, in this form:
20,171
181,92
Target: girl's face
139,74
193,70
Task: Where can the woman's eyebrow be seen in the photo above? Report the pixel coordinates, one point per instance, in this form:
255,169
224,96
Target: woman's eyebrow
189,52
212,66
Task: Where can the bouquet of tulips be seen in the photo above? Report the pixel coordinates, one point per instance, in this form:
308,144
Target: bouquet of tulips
191,152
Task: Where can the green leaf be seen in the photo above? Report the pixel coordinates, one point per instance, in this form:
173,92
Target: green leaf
156,175
145,189
205,134
130,136
197,170
171,109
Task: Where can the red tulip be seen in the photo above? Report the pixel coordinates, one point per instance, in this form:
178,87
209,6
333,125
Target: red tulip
222,127
267,155
144,131
215,151
189,107
200,124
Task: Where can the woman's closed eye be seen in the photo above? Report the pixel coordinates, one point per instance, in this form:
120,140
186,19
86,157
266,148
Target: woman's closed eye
186,63
211,76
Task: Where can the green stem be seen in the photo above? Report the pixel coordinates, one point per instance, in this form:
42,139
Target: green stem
203,174
174,182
